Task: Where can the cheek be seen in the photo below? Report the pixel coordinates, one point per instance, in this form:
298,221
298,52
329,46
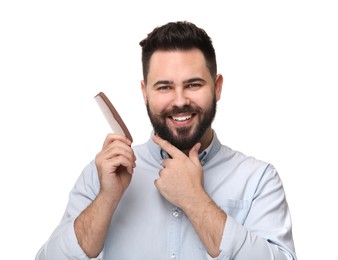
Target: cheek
159,101
204,101
157,105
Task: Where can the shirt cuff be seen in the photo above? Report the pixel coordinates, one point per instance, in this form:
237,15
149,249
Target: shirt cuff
72,246
234,235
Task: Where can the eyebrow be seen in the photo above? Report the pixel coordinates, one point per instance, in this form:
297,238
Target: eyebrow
168,82
163,82
194,80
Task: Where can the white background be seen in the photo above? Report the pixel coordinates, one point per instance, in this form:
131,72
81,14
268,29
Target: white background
279,103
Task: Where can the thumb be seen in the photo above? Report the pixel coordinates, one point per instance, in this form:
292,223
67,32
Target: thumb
193,153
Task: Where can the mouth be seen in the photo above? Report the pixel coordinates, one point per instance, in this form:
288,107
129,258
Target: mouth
182,119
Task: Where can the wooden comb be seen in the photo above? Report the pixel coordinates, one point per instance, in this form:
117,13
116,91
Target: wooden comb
113,118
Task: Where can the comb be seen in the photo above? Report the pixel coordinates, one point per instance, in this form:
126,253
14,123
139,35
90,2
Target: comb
113,118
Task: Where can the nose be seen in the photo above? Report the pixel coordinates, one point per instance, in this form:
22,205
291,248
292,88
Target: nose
180,98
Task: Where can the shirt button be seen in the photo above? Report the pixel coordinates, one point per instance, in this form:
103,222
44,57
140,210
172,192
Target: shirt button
173,257
176,214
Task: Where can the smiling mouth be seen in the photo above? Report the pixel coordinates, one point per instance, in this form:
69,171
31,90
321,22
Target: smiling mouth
181,118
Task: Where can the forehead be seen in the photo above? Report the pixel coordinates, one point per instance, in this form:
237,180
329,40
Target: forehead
184,63
177,55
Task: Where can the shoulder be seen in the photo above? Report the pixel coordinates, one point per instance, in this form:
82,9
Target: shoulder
257,170
247,165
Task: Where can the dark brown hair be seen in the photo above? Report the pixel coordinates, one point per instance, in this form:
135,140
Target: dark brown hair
178,36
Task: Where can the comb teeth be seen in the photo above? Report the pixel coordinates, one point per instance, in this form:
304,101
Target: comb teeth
112,116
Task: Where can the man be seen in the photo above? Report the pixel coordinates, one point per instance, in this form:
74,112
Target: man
181,195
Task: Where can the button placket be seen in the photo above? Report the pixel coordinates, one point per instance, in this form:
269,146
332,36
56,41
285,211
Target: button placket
174,233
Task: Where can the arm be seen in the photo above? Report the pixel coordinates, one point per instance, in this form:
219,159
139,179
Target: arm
92,203
63,244
181,183
208,220
266,233
115,165
92,224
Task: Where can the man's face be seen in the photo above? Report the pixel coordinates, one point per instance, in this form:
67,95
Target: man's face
181,97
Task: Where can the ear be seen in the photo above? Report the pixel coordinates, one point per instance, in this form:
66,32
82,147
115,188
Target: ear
144,92
218,86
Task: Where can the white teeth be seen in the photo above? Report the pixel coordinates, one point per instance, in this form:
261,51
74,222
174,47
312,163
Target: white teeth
182,118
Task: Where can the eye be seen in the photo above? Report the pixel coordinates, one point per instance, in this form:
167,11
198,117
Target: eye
194,85
163,88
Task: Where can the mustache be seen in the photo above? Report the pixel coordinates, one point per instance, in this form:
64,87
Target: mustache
178,110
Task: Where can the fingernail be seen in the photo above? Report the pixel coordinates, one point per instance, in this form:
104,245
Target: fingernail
198,146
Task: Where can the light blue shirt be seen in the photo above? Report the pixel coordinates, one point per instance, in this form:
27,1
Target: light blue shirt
146,226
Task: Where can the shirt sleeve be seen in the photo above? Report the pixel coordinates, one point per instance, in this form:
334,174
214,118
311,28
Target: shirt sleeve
266,232
63,244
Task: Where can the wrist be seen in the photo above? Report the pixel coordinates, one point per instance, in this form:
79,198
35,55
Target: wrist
197,203
108,199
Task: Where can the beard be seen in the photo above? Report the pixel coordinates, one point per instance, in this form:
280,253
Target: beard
185,137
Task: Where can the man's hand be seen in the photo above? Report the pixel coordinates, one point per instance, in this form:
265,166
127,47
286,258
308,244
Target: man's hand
181,179
181,183
115,164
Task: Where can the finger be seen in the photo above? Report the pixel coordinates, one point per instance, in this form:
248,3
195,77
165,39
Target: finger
156,183
119,161
114,137
118,148
193,153
160,172
128,165
165,162
168,147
